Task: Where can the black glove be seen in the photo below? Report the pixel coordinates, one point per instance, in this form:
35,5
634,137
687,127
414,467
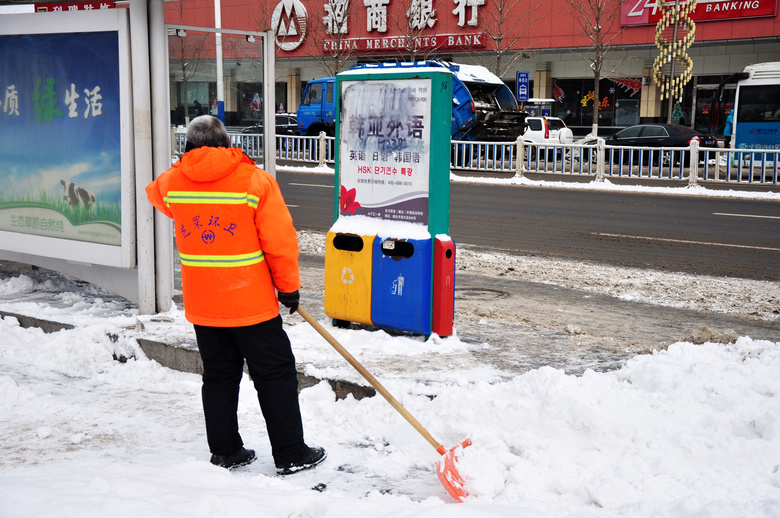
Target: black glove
290,300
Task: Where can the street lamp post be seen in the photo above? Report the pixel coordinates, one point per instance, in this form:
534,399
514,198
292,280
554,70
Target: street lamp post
220,73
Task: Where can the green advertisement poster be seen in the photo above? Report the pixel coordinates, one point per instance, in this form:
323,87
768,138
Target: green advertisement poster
60,127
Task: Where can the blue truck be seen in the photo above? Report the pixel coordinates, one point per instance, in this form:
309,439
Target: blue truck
483,107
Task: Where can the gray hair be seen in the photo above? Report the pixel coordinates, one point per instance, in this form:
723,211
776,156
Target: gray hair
206,131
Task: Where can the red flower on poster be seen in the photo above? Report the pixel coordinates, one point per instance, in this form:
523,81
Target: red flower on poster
348,203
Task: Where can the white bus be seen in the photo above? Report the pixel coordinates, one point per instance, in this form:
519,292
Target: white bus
757,113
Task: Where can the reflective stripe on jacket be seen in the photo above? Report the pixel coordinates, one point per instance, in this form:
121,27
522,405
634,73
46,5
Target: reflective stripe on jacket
234,234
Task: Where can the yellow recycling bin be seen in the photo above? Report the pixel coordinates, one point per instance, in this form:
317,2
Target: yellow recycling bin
348,270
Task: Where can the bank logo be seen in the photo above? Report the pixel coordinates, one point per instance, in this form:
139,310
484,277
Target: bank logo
288,22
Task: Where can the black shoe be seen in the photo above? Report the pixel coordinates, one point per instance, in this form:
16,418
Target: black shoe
240,458
309,458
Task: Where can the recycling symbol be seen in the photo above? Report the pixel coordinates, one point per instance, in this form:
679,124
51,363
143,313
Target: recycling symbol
347,277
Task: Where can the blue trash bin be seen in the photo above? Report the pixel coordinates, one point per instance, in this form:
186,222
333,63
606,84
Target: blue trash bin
401,284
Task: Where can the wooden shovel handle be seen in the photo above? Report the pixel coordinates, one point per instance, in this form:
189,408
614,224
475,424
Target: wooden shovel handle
371,379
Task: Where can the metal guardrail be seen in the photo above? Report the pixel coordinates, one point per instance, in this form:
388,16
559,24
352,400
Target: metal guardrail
319,150
603,161
521,157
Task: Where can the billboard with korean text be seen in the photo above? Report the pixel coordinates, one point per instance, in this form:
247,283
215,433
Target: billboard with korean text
61,145
385,149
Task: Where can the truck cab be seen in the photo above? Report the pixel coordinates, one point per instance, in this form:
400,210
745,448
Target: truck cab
317,110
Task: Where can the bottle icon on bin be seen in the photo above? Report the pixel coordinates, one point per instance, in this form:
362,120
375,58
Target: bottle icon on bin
398,286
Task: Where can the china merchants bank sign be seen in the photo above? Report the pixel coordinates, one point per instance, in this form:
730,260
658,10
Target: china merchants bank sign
648,12
290,23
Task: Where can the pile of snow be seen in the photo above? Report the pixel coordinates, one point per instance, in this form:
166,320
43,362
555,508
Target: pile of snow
690,431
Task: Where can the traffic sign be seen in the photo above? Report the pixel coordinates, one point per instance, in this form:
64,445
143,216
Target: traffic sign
522,87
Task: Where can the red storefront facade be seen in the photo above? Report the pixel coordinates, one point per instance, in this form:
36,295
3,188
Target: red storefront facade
314,38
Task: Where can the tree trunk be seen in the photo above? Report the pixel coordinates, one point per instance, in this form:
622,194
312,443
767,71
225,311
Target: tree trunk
596,99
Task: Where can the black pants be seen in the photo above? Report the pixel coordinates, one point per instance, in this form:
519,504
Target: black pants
271,363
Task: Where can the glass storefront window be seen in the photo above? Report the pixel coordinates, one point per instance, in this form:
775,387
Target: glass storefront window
281,99
682,110
203,92
627,112
711,112
250,102
618,104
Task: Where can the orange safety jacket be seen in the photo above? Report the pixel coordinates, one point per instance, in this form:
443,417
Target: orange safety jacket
234,234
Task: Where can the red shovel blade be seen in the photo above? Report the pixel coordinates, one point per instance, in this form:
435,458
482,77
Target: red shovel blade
450,478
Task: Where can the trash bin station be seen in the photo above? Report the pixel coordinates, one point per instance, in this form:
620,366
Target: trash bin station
389,261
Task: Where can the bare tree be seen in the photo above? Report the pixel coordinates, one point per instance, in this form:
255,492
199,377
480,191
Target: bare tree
329,32
597,20
506,23
186,52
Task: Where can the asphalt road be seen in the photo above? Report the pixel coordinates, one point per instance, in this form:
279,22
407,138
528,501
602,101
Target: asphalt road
714,236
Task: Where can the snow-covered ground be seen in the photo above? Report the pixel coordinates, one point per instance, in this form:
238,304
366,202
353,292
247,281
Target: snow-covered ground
688,431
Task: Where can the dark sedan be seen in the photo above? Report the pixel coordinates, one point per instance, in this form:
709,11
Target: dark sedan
286,124
658,135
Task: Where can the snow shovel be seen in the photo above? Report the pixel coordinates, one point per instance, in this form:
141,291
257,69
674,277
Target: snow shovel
448,473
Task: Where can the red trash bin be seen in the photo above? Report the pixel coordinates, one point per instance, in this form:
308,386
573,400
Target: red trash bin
443,286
